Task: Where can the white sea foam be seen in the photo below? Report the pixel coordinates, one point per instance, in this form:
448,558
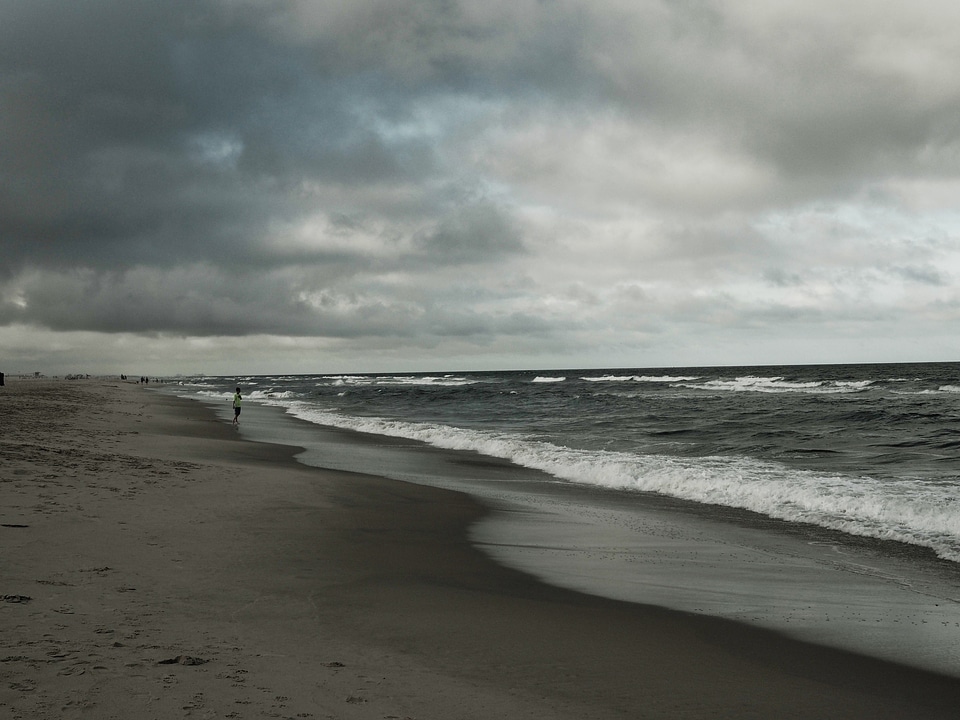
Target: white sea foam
272,394
399,380
642,378
213,394
907,511
546,379
751,383
942,390
853,384
261,395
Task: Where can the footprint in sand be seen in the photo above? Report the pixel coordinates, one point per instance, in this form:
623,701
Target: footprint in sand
77,669
183,660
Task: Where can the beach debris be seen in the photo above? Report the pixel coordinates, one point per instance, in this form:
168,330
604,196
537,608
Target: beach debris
16,598
355,700
333,664
13,525
183,660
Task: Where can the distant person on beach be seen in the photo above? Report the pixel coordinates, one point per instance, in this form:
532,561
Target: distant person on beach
236,407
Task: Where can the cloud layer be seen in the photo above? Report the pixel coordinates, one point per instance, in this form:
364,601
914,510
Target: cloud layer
524,183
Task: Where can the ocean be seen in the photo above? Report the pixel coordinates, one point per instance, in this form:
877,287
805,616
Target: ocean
870,450
807,455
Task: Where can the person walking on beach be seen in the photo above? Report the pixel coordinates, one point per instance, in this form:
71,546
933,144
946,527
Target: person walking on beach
237,400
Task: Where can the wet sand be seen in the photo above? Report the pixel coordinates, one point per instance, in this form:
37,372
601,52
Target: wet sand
156,565
876,597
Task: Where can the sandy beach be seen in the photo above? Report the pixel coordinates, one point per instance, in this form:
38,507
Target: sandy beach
156,565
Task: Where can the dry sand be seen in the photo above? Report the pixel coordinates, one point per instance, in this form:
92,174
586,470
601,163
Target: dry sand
154,565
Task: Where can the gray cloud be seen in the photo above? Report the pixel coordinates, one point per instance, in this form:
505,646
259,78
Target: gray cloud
586,174
478,233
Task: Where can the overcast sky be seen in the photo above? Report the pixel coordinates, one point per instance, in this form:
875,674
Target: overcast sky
254,186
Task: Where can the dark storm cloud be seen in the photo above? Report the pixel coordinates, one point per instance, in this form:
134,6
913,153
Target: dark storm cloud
202,301
145,137
131,132
492,170
99,171
477,233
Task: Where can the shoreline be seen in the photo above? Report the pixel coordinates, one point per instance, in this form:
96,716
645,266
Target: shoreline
881,598
142,530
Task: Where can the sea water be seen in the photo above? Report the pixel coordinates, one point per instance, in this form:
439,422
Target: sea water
860,451
871,450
